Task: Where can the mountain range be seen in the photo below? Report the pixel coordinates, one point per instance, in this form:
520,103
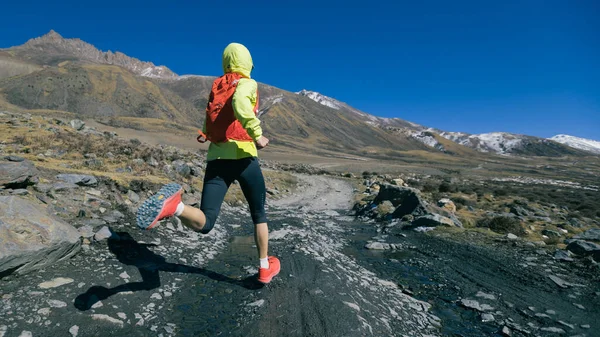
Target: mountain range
52,73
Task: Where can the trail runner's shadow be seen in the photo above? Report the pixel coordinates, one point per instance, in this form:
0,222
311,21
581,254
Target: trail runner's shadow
130,252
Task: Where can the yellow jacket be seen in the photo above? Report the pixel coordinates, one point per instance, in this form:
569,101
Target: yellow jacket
237,59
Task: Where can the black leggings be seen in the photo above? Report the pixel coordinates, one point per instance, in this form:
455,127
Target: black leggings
219,175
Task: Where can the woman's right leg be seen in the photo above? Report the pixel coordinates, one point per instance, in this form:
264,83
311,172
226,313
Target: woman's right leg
213,193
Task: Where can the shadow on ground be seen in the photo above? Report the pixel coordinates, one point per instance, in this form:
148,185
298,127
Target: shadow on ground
130,252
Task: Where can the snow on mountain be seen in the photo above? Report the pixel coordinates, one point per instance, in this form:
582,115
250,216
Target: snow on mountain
322,99
496,142
428,139
369,119
589,145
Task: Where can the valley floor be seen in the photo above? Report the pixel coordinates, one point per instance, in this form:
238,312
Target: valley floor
173,282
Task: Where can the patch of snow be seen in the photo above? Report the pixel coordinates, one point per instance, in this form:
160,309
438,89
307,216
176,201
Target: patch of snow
584,144
427,139
322,99
564,183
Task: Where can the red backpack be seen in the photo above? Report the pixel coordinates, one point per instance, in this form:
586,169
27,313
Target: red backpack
221,124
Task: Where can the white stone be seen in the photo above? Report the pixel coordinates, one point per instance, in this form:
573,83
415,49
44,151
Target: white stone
102,317
124,275
258,303
122,315
353,306
44,311
57,282
74,330
57,304
26,333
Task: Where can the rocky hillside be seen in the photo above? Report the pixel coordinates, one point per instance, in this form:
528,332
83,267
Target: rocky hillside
70,75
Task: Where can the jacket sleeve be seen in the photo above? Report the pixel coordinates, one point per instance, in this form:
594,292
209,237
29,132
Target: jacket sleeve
244,100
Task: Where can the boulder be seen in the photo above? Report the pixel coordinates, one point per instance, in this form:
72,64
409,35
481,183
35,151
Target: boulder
77,124
591,235
406,200
30,238
78,179
551,234
584,248
18,174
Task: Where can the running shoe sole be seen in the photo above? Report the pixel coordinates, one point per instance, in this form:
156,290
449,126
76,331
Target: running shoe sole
149,212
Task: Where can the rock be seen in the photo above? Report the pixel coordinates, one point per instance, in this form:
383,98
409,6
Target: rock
26,333
576,223
570,326
511,236
57,282
398,182
113,217
406,200
93,163
20,191
506,331
77,124
182,168
64,186
133,197
554,330
424,229
153,162
584,248
31,239
487,318
104,233
551,234
518,210
562,255
86,231
591,235
377,246
14,158
57,304
74,330
78,179
18,174
102,317
472,304
43,188
447,204
559,282
433,220
486,296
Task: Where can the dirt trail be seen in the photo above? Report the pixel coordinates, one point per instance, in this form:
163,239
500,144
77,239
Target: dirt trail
173,282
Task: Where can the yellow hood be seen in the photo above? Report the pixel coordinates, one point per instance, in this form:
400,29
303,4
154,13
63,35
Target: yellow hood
237,59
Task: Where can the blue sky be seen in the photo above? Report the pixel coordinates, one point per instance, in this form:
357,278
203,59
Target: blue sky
530,67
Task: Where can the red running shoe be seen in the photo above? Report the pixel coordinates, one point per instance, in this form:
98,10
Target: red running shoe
159,206
265,275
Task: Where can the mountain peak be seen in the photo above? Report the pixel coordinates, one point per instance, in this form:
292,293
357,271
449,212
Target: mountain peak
52,34
52,47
